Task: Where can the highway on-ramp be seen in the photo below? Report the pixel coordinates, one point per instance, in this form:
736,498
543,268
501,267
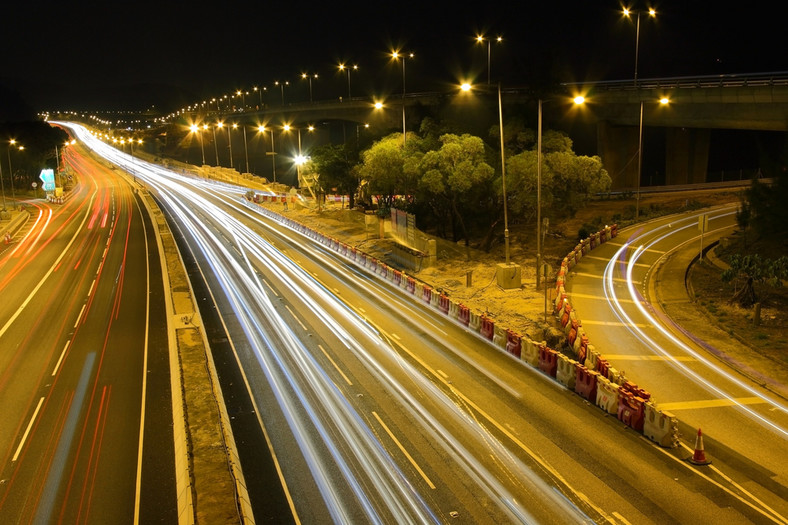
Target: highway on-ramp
618,292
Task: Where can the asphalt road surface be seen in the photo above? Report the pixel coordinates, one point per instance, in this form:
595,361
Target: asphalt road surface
381,409
81,321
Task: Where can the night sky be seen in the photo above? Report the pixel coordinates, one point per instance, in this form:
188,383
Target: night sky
133,55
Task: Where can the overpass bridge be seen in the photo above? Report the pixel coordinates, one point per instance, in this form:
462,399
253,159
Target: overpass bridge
697,105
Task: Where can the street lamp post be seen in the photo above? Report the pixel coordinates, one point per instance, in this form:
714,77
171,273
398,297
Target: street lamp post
480,39
627,12
396,55
243,99
260,93
195,129
246,149
282,88
309,77
229,142
343,67
468,87
663,101
263,129
2,185
215,145
12,142
577,100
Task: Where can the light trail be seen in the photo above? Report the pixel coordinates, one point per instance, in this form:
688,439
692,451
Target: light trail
319,414
635,328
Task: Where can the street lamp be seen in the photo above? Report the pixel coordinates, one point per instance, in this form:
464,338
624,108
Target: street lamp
467,87
246,149
282,87
300,159
396,55
343,67
215,144
260,93
664,101
262,129
239,93
627,12
309,77
220,125
578,100
481,39
196,129
12,142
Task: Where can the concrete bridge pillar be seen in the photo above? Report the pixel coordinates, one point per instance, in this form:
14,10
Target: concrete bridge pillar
686,154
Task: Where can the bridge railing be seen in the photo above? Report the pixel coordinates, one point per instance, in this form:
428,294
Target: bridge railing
779,78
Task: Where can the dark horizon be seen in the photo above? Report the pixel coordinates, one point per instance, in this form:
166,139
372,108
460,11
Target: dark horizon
80,58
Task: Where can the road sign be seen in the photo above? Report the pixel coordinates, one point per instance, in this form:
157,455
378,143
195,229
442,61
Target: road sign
47,176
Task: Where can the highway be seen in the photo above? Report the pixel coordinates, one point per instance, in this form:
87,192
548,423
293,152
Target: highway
378,409
619,291
82,305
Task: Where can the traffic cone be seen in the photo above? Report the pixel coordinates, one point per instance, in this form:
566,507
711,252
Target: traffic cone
699,456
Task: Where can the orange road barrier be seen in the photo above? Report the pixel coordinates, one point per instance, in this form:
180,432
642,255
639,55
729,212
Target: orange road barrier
443,303
514,343
412,285
548,361
487,327
586,383
581,346
463,314
631,409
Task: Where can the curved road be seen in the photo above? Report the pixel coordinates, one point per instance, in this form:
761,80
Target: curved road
618,292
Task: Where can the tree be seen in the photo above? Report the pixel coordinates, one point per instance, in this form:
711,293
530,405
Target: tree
454,176
334,165
769,214
389,169
749,270
568,180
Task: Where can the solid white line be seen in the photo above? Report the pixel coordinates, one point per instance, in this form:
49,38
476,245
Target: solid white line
27,430
62,354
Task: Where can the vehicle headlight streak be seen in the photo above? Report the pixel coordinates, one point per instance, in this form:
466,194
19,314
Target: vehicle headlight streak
637,332
285,360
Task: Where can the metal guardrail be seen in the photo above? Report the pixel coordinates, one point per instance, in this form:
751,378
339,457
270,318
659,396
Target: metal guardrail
779,78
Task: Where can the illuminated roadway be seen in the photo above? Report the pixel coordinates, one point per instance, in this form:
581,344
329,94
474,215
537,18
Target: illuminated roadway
381,410
617,290
79,441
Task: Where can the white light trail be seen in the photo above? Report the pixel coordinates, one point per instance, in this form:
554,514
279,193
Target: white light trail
648,342
320,416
